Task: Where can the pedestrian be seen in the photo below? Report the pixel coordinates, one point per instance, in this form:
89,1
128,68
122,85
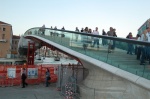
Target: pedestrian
82,29
55,27
104,41
138,47
63,28
130,45
148,40
143,48
96,39
114,42
76,35
110,42
47,77
43,30
23,78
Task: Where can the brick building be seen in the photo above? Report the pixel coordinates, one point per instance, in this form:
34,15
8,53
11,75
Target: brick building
5,39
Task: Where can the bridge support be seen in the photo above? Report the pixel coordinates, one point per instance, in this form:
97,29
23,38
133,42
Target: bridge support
30,54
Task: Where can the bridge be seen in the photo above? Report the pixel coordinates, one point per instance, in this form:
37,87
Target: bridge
112,73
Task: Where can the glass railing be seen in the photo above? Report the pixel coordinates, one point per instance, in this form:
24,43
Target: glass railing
119,52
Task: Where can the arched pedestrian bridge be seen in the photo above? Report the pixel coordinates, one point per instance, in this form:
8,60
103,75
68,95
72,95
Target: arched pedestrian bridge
113,74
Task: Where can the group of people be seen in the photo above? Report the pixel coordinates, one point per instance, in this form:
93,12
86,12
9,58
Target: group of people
111,32
86,39
95,40
111,43
142,52
24,77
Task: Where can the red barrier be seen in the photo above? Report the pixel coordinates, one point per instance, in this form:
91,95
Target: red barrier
11,75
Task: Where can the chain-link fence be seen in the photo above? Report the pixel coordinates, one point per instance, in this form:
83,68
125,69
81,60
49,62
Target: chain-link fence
68,78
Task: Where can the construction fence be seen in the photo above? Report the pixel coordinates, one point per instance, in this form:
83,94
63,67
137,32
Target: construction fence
11,75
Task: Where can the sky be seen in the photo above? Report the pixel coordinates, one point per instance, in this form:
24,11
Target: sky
123,15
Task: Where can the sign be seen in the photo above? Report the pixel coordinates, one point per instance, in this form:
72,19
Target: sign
11,72
32,73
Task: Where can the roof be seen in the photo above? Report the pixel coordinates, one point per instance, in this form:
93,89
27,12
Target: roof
16,37
4,23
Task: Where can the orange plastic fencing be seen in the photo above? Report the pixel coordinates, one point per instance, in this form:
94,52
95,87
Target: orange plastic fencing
11,75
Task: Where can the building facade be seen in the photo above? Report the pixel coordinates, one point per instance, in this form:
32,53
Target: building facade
144,26
14,48
5,39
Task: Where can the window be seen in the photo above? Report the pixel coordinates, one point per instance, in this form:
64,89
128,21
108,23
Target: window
4,29
3,36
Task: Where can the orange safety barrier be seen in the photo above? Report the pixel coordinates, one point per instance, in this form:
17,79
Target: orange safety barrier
11,75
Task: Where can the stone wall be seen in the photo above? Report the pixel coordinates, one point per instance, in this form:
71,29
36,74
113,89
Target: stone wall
101,84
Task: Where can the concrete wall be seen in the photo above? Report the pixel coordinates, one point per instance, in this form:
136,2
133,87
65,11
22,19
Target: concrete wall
101,84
